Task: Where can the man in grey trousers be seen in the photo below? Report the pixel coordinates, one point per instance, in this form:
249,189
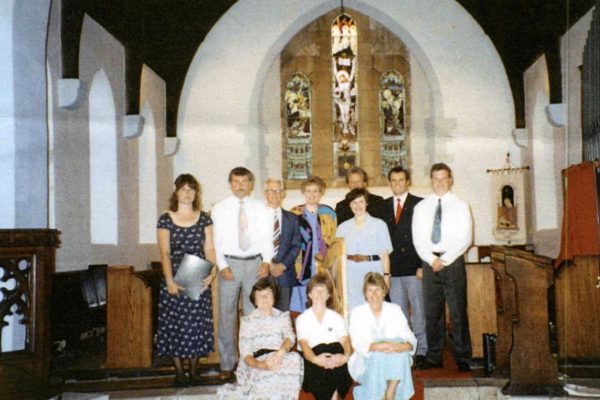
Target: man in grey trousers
243,233
405,265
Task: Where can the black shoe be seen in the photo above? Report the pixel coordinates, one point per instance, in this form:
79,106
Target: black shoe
419,361
426,364
195,380
463,366
181,381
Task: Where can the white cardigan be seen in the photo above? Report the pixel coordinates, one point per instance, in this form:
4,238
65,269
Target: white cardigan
364,330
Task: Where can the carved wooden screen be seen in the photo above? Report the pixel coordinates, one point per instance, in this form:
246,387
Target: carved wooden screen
27,259
298,135
344,52
591,91
393,123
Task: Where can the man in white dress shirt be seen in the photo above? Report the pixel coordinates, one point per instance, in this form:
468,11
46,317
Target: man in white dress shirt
442,231
243,234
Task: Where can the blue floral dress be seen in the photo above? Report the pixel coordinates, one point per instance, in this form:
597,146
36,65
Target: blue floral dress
185,326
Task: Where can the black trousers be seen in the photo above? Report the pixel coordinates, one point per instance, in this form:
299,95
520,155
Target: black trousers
446,286
323,383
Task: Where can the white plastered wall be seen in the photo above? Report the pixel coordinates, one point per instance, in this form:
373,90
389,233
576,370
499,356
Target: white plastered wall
551,149
71,157
572,45
467,113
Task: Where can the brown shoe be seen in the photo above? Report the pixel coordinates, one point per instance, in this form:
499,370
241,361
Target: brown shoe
225,375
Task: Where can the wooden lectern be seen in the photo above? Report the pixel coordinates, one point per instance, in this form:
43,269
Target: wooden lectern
526,280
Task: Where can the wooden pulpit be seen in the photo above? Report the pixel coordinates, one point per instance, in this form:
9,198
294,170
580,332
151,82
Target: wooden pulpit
27,261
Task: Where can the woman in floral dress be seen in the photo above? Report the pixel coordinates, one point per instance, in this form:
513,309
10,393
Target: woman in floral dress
268,369
185,326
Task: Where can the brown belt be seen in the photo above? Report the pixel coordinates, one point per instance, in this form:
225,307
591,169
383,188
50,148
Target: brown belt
362,258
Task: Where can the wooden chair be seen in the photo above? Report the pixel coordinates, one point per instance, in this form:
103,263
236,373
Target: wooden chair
334,265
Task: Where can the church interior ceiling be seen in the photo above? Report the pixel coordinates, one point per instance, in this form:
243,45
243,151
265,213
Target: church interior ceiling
165,35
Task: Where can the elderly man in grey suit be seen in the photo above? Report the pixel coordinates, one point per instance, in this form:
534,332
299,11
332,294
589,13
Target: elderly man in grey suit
243,234
286,243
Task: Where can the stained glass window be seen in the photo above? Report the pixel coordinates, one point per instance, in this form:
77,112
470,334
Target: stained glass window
298,127
393,122
344,52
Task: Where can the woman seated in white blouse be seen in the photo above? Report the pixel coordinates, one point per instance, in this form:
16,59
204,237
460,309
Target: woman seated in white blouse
324,342
383,345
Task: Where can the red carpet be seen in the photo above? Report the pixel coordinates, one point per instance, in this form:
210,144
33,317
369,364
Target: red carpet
450,371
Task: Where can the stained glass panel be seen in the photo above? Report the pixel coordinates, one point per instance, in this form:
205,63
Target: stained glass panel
298,127
344,52
393,123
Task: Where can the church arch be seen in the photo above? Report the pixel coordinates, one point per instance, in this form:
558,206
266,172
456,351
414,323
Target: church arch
221,97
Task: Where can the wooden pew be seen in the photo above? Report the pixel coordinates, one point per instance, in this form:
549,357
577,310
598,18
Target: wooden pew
129,317
481,304
131,314
578,309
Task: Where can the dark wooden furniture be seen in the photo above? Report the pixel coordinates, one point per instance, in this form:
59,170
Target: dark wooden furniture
130,314
77,316
27,261
578,309
504,290
526,286
481,304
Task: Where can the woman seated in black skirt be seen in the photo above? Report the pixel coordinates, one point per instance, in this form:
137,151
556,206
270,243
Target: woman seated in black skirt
325,343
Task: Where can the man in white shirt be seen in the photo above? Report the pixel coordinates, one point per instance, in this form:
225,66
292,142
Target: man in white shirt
243,234
442,231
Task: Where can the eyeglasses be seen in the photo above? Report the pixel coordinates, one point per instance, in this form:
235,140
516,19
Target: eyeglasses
273,191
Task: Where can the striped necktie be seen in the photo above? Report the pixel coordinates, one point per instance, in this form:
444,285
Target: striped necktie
276,234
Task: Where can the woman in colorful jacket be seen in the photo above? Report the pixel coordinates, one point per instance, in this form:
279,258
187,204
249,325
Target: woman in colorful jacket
318,224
